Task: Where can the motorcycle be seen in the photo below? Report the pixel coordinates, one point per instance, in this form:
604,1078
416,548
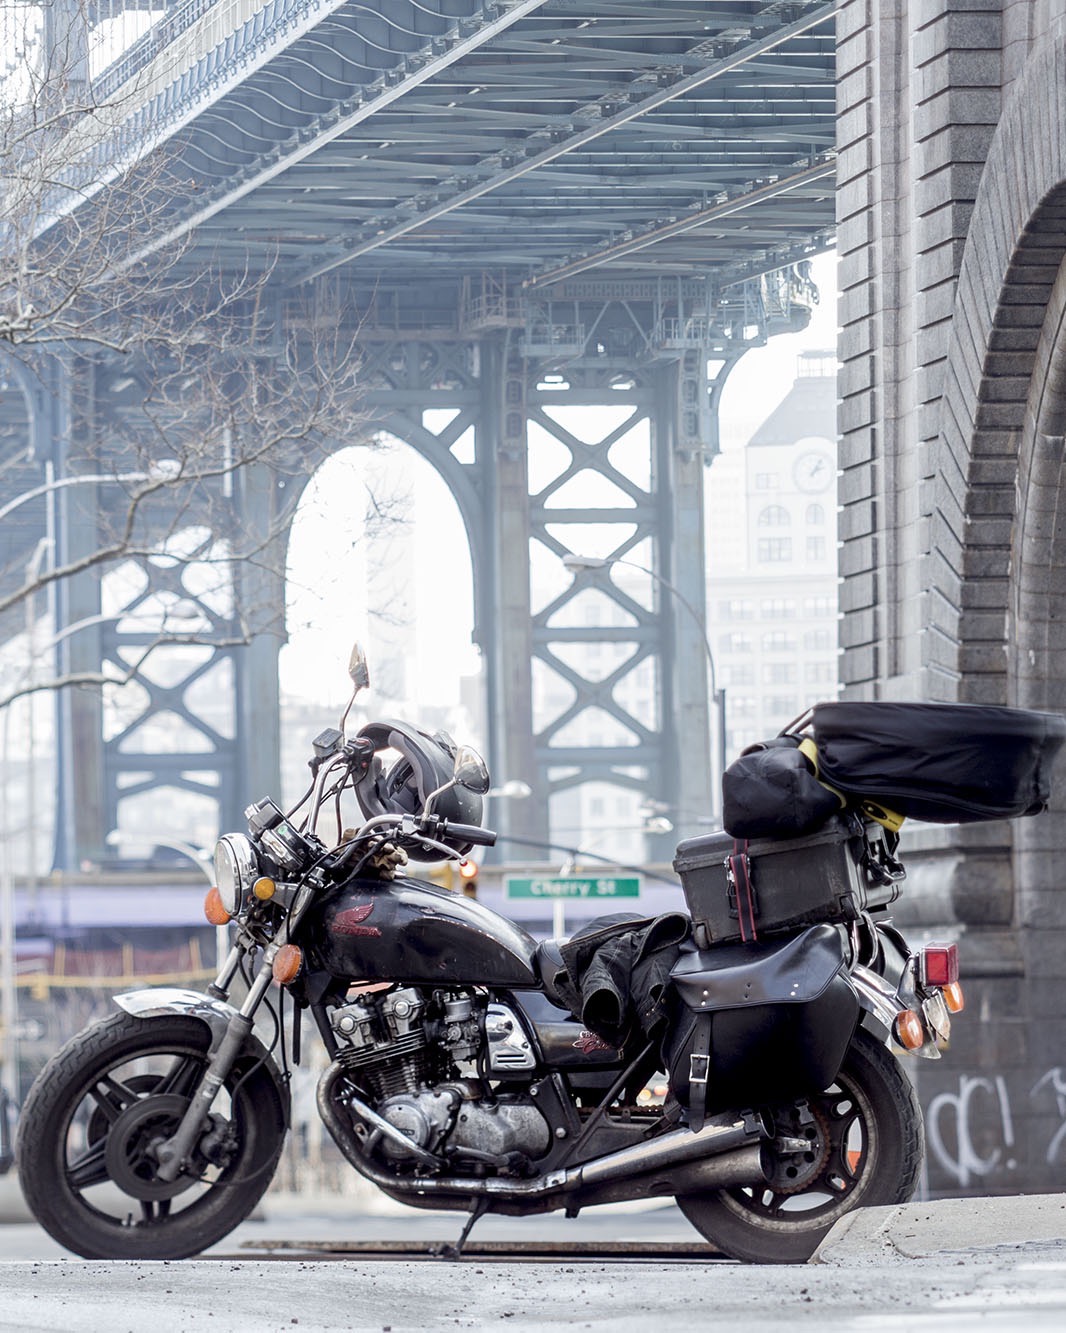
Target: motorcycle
460,1078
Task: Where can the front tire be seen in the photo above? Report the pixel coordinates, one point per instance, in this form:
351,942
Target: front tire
866,1144
89,1123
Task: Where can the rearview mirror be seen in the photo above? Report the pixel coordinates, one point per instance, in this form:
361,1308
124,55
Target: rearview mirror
471,771
358,669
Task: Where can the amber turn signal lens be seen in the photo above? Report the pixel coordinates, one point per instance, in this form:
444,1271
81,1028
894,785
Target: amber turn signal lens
910,1030
953,998
287,963
213,909
264,888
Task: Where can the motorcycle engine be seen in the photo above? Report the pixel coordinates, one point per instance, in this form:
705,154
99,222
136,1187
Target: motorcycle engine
409,1051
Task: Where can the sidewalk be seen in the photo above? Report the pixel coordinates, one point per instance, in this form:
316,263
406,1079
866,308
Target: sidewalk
976,1228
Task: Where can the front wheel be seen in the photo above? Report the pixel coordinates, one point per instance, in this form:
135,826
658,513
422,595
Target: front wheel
865,1146
91,1121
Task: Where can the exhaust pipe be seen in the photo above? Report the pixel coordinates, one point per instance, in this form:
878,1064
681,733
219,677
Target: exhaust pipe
742,1166
708,1159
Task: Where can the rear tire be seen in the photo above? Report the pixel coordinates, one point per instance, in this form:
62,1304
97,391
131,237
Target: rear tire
89,1123
866,1148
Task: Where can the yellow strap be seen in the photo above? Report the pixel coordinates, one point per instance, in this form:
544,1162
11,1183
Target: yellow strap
809,750
889,819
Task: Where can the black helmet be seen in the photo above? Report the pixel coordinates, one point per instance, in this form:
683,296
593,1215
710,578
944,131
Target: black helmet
425,764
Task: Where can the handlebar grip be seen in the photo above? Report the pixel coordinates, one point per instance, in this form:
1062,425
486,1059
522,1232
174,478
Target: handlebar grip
482,837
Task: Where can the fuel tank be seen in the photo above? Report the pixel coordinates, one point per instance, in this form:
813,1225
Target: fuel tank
407,930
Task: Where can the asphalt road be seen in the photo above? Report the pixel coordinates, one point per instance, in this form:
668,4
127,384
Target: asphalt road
996,1265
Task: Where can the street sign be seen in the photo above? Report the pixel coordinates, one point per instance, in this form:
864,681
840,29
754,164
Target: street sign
572,886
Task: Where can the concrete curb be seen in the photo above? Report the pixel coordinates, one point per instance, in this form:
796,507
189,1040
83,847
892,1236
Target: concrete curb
946,1226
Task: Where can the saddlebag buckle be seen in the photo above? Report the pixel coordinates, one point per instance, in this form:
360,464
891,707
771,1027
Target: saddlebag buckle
698,1068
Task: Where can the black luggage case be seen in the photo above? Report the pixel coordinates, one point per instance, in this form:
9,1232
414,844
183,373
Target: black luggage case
942,763
845,868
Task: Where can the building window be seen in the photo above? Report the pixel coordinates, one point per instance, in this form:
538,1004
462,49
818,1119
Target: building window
819,673
738,608
819,606
774,516
767,481
782,705
739,673
815,549
774,550
778,608
777,641
734,643
815,515
779,673
818,640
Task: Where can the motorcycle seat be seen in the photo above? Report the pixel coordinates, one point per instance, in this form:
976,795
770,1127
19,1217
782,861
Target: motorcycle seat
549,962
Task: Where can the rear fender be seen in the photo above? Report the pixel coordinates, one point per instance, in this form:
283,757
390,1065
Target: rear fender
886,984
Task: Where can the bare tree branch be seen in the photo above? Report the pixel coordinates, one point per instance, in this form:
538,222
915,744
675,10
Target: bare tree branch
189,384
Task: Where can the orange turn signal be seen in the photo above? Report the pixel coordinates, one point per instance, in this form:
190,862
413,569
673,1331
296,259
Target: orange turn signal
213,909
953,998
287,963
910,1030
264,888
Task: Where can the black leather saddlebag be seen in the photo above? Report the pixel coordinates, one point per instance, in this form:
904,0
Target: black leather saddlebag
942,763
758,1024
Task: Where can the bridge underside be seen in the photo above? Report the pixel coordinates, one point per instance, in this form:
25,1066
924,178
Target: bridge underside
503,209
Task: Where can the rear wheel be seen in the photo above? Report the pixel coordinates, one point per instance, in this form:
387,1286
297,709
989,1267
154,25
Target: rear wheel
93,1119
864,1147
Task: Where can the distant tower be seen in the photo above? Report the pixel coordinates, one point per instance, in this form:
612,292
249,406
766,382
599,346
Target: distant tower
771,541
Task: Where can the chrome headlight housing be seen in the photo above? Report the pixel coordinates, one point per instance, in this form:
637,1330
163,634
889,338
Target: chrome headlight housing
236,870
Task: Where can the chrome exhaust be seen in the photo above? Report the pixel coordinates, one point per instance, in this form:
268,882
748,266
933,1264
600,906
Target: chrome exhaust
708,1159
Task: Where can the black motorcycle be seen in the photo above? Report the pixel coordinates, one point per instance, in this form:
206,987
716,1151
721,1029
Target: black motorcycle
468,1071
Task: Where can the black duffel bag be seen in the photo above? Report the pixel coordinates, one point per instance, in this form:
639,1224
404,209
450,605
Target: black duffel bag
771,791
942,763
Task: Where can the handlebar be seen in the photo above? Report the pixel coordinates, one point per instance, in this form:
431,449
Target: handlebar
481,837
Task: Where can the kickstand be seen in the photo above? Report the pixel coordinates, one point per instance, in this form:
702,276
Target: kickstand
478,1209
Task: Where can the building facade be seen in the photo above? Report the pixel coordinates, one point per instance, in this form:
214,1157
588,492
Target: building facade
772,568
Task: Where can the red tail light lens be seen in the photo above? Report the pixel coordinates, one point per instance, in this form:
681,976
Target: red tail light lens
940,964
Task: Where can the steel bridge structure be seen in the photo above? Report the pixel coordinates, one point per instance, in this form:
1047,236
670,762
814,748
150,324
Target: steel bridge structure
514,208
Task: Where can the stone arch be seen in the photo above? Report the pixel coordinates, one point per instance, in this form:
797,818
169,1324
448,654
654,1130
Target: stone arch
996,579
995,377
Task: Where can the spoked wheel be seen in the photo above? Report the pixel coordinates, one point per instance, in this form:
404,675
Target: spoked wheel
863,1146
93,1120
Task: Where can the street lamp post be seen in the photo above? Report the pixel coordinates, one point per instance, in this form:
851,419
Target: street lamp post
586,563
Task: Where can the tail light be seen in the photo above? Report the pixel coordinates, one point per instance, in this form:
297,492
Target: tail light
940,964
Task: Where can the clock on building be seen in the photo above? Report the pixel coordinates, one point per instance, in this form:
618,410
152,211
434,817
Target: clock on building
813,471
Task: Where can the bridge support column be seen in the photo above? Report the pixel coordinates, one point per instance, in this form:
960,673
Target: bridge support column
503,447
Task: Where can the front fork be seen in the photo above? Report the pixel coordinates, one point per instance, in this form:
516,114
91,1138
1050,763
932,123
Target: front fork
226,1046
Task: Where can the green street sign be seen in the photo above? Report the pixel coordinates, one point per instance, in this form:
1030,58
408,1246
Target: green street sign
572,886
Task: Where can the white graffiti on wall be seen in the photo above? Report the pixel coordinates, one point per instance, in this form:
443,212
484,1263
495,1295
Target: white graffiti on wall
1055,1081
982,1128
971,1132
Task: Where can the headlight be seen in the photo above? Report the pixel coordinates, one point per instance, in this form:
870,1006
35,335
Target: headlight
236,869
